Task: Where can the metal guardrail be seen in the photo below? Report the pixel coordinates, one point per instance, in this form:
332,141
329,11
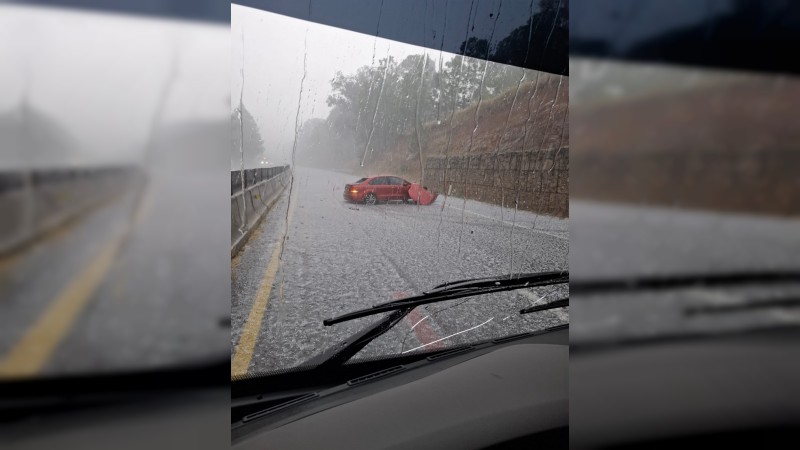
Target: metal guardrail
15,180
35,201
254,176
262,187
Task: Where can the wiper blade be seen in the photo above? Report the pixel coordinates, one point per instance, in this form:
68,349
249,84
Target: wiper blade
461,289
348,348
661,282
465,281
545,307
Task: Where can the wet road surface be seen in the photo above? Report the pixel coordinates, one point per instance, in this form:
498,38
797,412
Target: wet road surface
625,241
128,285
317,256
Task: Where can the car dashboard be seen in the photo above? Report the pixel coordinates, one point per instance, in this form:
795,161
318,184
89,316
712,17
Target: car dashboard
508,395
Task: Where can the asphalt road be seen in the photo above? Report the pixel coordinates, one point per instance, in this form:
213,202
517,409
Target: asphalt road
316,256
129,285
618,241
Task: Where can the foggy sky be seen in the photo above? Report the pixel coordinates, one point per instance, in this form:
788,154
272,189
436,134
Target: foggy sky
98,76
274,49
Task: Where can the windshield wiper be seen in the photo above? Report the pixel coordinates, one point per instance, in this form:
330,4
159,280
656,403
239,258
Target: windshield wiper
346,349
545,307
677,281
452,291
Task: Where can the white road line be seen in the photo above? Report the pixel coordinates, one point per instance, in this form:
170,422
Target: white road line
448,337
530,296
420,320
509,223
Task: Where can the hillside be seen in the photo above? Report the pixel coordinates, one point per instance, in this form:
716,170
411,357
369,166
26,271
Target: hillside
750,115
541,112
729,147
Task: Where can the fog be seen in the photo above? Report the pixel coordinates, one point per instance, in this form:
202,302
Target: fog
268,51
81,89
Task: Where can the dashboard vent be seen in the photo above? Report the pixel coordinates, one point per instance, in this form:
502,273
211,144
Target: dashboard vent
511,338
374,375
449,353
275,408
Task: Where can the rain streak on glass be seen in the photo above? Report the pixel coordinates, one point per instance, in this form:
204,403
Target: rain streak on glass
381,171
106,183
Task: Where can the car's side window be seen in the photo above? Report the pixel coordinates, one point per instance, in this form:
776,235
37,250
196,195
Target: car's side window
394,181
378,181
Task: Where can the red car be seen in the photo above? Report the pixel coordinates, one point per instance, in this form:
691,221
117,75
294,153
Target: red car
382,188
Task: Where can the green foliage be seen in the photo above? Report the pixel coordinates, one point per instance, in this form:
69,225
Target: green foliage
376,106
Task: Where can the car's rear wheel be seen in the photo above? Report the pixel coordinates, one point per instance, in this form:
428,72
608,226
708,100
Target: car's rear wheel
370,199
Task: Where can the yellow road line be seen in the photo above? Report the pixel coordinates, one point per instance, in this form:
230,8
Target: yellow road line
247,341
33,350
243,353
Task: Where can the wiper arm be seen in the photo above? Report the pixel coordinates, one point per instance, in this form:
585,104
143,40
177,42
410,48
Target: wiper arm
671,281
348,348
545,307
460,289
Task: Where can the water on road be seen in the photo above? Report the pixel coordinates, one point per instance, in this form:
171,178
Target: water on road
316,256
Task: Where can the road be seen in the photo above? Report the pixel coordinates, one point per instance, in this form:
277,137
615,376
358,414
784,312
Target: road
126,286
622,241
316,256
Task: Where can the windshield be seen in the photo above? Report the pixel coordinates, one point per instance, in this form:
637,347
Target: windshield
483,146
110,130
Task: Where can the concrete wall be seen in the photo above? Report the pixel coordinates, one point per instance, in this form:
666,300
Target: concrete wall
538,181
34,202
262,187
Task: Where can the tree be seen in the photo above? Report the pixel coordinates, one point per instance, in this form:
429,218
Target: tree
244,126
541,42
376,106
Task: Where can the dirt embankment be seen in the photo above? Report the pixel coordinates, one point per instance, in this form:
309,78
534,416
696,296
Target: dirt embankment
730,147
533,118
